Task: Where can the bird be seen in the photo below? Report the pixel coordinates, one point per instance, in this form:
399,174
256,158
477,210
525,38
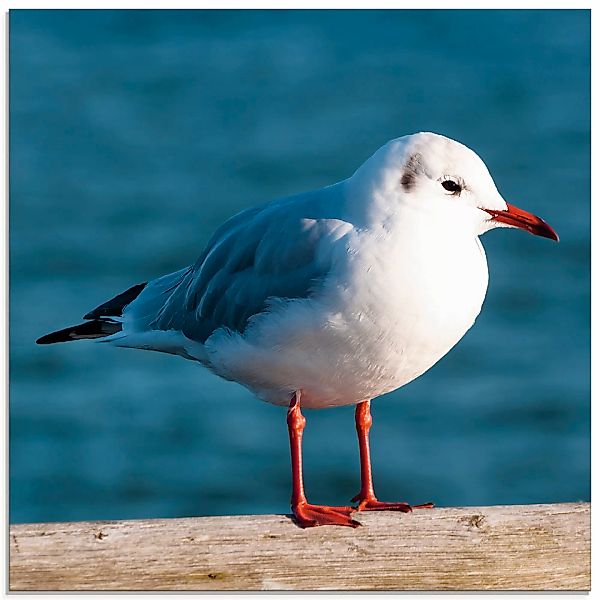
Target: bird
331,297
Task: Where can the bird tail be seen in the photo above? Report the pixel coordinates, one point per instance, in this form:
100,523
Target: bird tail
97,328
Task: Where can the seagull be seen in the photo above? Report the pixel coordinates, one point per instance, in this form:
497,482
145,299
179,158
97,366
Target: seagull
331,297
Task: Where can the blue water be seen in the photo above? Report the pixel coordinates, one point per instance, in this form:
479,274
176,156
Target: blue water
134,134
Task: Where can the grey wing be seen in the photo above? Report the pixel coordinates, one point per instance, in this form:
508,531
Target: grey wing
256,256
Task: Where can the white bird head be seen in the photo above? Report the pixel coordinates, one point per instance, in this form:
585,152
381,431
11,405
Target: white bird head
447,180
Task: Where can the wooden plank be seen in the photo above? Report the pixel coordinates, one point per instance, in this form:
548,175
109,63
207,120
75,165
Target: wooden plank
529,547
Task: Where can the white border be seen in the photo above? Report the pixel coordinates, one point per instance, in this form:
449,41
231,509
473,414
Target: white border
290,4
329,4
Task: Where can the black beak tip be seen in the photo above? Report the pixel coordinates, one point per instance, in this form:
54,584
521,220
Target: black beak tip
550,233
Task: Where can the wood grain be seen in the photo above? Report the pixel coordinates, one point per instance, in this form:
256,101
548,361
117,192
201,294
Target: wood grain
529,547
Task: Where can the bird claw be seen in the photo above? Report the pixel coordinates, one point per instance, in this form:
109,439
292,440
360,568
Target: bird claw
314,515
371,503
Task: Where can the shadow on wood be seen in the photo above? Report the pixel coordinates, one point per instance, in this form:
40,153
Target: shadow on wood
530,547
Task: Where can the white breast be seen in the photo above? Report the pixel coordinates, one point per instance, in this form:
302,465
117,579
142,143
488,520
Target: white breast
384,317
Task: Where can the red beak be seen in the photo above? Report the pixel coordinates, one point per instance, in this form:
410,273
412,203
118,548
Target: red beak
516,217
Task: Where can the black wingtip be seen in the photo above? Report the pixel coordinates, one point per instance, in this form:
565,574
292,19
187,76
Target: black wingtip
55,337
114,307
85,331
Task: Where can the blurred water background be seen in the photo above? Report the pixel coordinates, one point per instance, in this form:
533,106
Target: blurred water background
134,134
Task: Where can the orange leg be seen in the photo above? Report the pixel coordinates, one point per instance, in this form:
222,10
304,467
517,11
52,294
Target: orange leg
366,497
309,515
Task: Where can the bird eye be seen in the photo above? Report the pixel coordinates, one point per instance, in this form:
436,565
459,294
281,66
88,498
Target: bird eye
452,186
